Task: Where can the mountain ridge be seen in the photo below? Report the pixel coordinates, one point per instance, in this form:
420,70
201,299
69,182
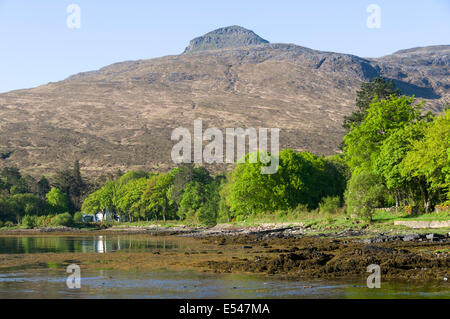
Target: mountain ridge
122,115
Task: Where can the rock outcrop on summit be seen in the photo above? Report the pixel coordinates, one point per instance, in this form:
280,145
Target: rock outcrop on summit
228,37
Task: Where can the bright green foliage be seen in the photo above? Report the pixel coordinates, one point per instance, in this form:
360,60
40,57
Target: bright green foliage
157,195
184,175
429,158
106,196
302,178
57,201
252,192
200,202
91,204
364,193
224,210
385,117
29,221
194,196
378,88
330,205
64,219
389,162
130,202
131,175
78,217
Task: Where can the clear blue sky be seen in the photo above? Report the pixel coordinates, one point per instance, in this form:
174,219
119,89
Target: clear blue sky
37,46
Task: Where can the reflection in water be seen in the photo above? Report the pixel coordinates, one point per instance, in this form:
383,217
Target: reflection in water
101,283
164,284
85,244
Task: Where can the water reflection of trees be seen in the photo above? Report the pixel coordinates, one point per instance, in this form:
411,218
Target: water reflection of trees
98,244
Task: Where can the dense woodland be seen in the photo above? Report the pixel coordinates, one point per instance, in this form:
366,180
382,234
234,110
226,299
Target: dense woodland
393,154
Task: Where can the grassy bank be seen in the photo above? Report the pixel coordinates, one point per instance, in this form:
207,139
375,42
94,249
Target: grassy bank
314,222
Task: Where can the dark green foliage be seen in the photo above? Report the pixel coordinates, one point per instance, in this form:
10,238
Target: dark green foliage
378,88
21,187
70,182
185,174
6,155
10,176
20,205
42,187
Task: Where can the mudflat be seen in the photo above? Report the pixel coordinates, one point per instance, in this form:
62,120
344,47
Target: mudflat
283,252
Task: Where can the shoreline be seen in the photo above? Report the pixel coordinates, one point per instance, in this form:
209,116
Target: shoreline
283,251
294,230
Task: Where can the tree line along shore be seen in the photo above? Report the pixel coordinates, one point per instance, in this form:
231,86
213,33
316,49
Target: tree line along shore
394,154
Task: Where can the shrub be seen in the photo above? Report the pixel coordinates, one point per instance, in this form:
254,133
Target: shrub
29,221
329,205
364,193
442,208
407,210
9,224
1,224
78,217
280,214
62,220
43,221
301,208
206,216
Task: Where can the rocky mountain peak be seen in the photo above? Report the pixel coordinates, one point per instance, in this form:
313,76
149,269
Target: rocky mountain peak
227,37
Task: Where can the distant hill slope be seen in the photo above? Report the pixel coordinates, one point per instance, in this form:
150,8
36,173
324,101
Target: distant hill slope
122,115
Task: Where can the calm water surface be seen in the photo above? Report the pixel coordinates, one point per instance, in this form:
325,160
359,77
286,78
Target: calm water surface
51,283
81,244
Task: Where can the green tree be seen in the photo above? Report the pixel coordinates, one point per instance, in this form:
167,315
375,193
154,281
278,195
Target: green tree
106,198
185,174
25,204
91,204
224,209
362,143
388,163
130,202
302,178
429,160
364,193
252,192
131,175
43,187
64,181
379,89
77,188
11,176
208,212
57,201
157,194
21,187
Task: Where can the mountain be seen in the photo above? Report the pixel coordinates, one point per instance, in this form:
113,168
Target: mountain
228,37
122,116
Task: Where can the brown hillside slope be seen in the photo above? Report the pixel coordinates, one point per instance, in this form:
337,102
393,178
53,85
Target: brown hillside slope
122,115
